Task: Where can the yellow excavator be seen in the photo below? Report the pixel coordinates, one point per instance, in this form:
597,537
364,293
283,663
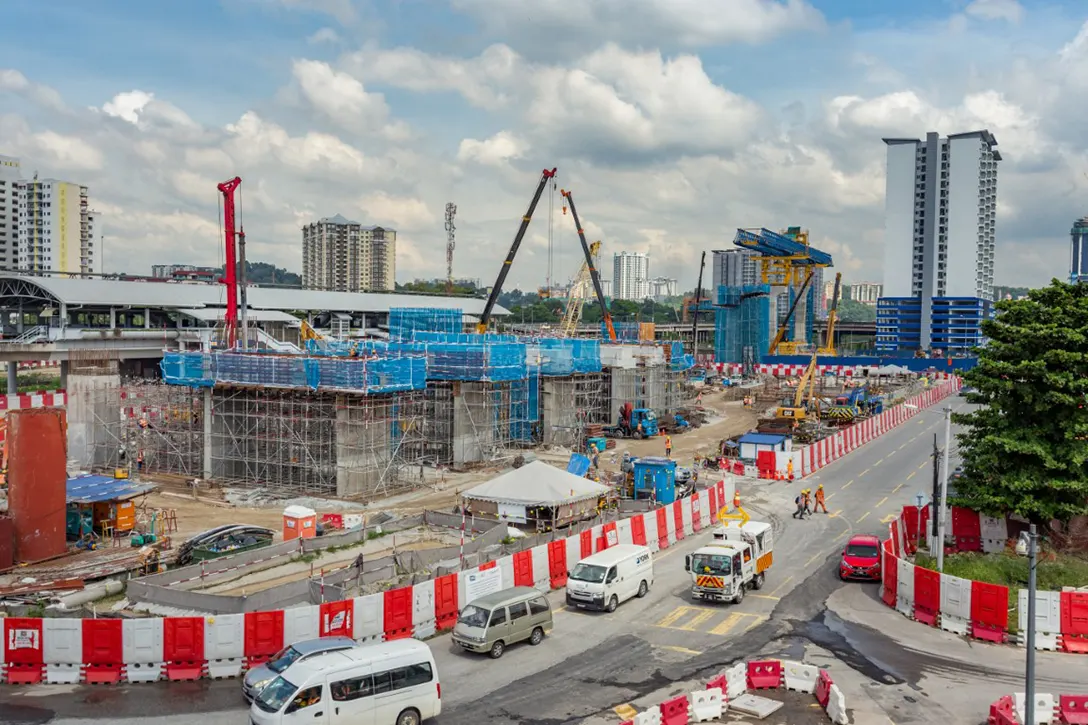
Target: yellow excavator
799,408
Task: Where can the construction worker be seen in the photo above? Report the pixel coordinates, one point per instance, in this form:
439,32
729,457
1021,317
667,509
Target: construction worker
800,503
820,499
668,446
806,498
789,469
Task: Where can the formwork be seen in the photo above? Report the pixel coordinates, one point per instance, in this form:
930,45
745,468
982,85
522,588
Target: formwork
742,323
570,403
655,388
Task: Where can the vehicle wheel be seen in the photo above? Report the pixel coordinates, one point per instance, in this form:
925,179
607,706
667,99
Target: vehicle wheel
536,637
497,649
612,604
740,595
408,717
757,584
642,590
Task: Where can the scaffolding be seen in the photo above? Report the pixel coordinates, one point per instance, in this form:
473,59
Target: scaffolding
742,323
482,358
404,322
569,404
569,356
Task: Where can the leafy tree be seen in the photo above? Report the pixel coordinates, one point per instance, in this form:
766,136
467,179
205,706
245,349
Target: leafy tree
851,311
1025,449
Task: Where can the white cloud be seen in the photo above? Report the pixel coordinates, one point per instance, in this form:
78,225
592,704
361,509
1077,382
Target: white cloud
1008,10
255,139
495,151
324,36
344,100
67,151
397,212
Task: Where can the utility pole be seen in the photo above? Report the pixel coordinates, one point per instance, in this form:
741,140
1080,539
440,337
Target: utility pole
936,497
944,487
1029,684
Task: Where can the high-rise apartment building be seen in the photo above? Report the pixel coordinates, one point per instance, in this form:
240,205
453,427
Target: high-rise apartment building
58,231
733,268
866,293
631,276
1078,264
345,256
940,207
10,177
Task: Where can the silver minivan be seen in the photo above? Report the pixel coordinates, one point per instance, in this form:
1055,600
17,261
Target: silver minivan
494,622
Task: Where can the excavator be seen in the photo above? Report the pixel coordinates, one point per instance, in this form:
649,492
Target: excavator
800,407
576,297
546,176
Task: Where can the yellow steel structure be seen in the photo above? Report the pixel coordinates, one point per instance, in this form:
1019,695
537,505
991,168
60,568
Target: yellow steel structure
832,317
576,298
799,410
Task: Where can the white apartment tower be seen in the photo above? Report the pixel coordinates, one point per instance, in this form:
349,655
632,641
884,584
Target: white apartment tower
940,206
345,256
10,177
631,276
58,231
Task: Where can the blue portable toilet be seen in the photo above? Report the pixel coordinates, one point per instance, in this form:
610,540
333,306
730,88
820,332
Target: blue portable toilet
655,478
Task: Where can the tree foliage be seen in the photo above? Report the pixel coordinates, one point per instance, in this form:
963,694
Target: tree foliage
1025,449
851,311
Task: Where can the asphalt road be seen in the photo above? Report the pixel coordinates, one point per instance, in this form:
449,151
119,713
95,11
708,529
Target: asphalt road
593,666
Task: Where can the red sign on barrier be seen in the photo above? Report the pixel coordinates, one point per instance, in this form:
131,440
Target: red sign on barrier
102,651
397,608
638,530
263,637
674,711
1073,709
610,534
678,517
966,529
663,528
523,569
23,650
927,595
889,572
488,565
989,611
1075,622
764,674
445,600
587,542
713,498
183,647
910,524
337,619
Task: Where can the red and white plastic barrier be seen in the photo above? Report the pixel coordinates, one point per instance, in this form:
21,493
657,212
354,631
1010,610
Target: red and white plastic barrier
1070,709
102,651
712,703
793,371
976,609
38,364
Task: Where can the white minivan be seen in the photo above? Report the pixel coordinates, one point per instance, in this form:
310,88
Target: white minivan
605,579
392,683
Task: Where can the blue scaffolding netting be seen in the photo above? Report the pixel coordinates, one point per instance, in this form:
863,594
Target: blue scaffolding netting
625,331
678,359
572,356
406,321
495,362
525,405
742,321
361,375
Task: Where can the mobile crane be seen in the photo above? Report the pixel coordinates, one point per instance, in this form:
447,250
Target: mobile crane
230,269
594,275
576,297
832,316
485,316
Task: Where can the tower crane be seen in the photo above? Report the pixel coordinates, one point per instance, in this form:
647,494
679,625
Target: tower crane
485,317
576,298
594,275
451,212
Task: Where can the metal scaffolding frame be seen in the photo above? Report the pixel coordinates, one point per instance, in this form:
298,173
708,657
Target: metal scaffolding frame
571,403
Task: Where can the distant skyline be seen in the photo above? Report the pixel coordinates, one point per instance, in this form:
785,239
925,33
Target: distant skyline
675,122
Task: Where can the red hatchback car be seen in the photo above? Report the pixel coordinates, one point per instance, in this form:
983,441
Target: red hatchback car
861,559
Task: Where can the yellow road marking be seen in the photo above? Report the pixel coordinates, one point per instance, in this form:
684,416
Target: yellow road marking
888,519
701,615
900,485
880,502
730,623
829,497
904,445
847,485
765,596
626,711
674,648
841,534
833,514
864,516
675,615
814,558
911,475
784,583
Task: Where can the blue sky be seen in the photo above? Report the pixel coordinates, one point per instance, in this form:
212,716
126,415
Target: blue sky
813,151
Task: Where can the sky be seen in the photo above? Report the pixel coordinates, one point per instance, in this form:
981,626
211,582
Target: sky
673,122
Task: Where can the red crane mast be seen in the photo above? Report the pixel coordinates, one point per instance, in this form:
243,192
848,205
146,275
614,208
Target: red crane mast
230,278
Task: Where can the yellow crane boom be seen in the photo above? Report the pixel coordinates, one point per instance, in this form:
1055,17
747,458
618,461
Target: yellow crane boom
832,316
577,296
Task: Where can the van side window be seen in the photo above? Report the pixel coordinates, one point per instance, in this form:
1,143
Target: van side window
538,605
392,680
519,610
611,576
353,689
419,674
306,698
498,616
382,683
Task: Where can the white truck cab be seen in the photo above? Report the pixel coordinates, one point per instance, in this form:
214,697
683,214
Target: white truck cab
610,577
737,560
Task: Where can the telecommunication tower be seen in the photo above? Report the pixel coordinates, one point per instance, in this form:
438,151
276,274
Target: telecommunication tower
451,212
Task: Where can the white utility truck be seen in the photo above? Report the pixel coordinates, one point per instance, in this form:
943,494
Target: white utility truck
737,560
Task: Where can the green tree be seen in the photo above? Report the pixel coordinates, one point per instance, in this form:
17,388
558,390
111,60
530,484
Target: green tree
850,311
1025,450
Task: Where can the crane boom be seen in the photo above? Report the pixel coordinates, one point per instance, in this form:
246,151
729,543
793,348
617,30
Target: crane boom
594,275
576,297
832,316
485,316
698,301
781,335
230,276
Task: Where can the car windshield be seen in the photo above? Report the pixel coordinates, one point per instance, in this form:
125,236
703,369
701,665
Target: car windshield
589,573
284,659
474,616
865,551
710,564
276,695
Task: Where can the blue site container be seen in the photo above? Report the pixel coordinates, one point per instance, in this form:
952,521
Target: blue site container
655,478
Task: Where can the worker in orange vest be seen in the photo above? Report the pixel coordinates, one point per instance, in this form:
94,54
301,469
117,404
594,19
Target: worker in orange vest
789,469
668,446
806,501
820,499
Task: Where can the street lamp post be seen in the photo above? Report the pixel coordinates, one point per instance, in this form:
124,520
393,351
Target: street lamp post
942,506
1029,684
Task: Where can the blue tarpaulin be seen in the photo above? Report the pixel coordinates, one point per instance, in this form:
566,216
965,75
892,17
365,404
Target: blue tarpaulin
95,489
578,464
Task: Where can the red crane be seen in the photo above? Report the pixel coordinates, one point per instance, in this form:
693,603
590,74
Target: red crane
230,278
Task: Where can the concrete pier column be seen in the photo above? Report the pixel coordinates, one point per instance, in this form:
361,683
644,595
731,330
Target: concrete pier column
207,433
64,374
13,377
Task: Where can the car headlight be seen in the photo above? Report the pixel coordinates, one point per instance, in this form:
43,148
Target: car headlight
261,684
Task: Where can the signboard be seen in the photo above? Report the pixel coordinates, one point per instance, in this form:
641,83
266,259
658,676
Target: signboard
481,583
23,639
512,513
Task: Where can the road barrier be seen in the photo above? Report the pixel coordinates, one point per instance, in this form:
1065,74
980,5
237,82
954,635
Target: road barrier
979,610
712,703
1068,709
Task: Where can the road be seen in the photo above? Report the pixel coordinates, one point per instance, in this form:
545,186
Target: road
594,663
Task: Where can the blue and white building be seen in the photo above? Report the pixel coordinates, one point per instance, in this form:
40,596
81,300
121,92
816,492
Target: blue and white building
1078,265
940,209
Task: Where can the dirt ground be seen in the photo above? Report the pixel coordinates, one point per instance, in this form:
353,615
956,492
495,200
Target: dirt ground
729,418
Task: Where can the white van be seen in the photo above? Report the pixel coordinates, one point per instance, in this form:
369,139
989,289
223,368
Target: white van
392,683
605,579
